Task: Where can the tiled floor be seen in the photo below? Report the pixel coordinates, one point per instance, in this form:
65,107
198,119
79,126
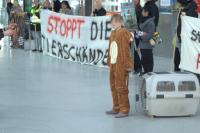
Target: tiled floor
40,94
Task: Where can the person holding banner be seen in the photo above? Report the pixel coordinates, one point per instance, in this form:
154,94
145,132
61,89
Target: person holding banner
66,8
120,63
56,5
188,8
47,5
99,10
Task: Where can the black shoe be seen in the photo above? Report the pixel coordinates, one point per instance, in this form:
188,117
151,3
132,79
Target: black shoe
34,50
111,112
138,71
21,46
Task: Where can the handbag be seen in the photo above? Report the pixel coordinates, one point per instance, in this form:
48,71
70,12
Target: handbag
156,40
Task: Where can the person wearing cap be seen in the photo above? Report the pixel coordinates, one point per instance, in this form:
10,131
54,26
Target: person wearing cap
188,8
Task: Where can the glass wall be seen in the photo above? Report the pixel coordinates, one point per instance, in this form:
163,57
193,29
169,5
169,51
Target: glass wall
3,13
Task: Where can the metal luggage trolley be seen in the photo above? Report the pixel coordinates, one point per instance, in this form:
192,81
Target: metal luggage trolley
170,94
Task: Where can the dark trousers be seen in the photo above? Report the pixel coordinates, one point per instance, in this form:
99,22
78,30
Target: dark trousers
137,61
147,60
177,60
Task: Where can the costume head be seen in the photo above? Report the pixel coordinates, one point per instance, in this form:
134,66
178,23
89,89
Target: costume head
117,21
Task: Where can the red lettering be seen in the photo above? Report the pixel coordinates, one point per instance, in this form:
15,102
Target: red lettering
74,26
68,27
63,26
57,20
50,28
198,61
80,22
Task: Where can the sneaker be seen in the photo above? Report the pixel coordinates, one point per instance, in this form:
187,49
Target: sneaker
121,115
111,112
40,51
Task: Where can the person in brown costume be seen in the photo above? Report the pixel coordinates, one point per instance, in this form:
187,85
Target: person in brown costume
120,63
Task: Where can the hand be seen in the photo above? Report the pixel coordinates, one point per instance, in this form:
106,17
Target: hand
131,39
183,14
140,33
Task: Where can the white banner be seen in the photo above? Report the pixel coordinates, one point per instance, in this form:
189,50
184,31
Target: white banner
76,38
190,47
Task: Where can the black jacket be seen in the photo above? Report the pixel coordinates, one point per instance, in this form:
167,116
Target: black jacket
154,11
57,5
1,34
100,12
138,11
190,10
9,8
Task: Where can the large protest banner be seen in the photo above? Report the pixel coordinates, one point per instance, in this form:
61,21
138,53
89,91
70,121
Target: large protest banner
76,38
190,48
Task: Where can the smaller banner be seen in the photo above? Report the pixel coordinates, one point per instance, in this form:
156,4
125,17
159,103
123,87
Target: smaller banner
190,47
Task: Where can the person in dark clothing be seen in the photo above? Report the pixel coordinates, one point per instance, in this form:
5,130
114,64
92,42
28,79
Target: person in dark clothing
145,34
9,7
138,10
56,5
137,61
154,11
188,8
99,10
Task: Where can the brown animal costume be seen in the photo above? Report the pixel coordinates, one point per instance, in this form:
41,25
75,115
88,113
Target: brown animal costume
120,63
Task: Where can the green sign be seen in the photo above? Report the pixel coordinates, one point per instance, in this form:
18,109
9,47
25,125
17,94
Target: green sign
27,5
